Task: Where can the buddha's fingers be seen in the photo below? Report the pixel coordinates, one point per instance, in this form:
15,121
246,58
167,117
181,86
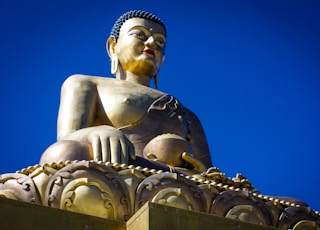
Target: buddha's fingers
197,164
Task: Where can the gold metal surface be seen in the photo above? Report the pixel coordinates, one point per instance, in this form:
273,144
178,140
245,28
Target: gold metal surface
118,191
109,119
122,145
158,217
17,215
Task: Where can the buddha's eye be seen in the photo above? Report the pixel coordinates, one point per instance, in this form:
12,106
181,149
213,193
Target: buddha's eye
160,42
138,34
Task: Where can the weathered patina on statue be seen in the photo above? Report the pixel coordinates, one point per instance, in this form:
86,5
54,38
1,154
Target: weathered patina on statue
122,144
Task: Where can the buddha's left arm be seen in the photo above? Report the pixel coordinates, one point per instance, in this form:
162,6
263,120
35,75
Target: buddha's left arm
198,140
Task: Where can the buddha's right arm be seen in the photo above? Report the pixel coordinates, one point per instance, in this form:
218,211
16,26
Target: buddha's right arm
77,113
78,102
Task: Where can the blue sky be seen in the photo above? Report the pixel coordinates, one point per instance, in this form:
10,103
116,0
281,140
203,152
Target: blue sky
249,70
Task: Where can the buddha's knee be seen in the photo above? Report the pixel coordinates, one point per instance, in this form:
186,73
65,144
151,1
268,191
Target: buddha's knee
66,150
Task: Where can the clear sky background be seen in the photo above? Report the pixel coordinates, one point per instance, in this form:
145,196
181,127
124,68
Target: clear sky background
249,69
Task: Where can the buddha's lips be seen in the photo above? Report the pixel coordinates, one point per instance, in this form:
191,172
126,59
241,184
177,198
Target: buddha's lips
151,52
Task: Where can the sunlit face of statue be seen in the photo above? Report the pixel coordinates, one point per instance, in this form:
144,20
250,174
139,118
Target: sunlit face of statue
140,46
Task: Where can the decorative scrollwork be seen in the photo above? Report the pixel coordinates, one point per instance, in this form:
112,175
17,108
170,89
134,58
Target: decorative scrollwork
19,187
243,206
90,188
170,189
116,191
306,225
299,218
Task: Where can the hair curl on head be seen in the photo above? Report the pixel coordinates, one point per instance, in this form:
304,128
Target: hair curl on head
135,14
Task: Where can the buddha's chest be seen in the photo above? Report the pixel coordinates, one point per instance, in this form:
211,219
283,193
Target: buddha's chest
124,106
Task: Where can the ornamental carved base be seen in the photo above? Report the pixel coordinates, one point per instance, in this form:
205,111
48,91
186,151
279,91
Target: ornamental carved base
116,192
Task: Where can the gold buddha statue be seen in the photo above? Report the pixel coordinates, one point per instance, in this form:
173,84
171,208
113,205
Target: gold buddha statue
122,119
129,137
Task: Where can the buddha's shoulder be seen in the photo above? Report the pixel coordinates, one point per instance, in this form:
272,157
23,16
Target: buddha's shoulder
108,84
98,80
88,79
88,82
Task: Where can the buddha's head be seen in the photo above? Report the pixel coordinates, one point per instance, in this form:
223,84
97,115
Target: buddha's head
137,45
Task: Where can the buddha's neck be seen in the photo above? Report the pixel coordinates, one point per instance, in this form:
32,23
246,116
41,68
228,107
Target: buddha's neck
142,80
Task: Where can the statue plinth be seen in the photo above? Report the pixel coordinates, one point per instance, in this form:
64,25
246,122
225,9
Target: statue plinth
154,216
123,193
16,215
21,215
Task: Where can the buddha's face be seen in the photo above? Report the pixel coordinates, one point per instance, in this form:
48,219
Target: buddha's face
140,46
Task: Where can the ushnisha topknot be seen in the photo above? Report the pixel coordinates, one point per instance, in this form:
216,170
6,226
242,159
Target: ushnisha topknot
135,14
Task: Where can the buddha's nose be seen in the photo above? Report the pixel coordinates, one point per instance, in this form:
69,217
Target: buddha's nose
150,42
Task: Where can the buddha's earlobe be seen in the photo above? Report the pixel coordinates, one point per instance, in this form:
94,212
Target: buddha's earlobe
156,83
114,64
155,77
116,68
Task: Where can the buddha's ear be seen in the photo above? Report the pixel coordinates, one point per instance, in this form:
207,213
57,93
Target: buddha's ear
162,60
110,46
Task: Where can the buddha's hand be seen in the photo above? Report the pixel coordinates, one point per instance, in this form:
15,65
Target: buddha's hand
196,163
108,143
